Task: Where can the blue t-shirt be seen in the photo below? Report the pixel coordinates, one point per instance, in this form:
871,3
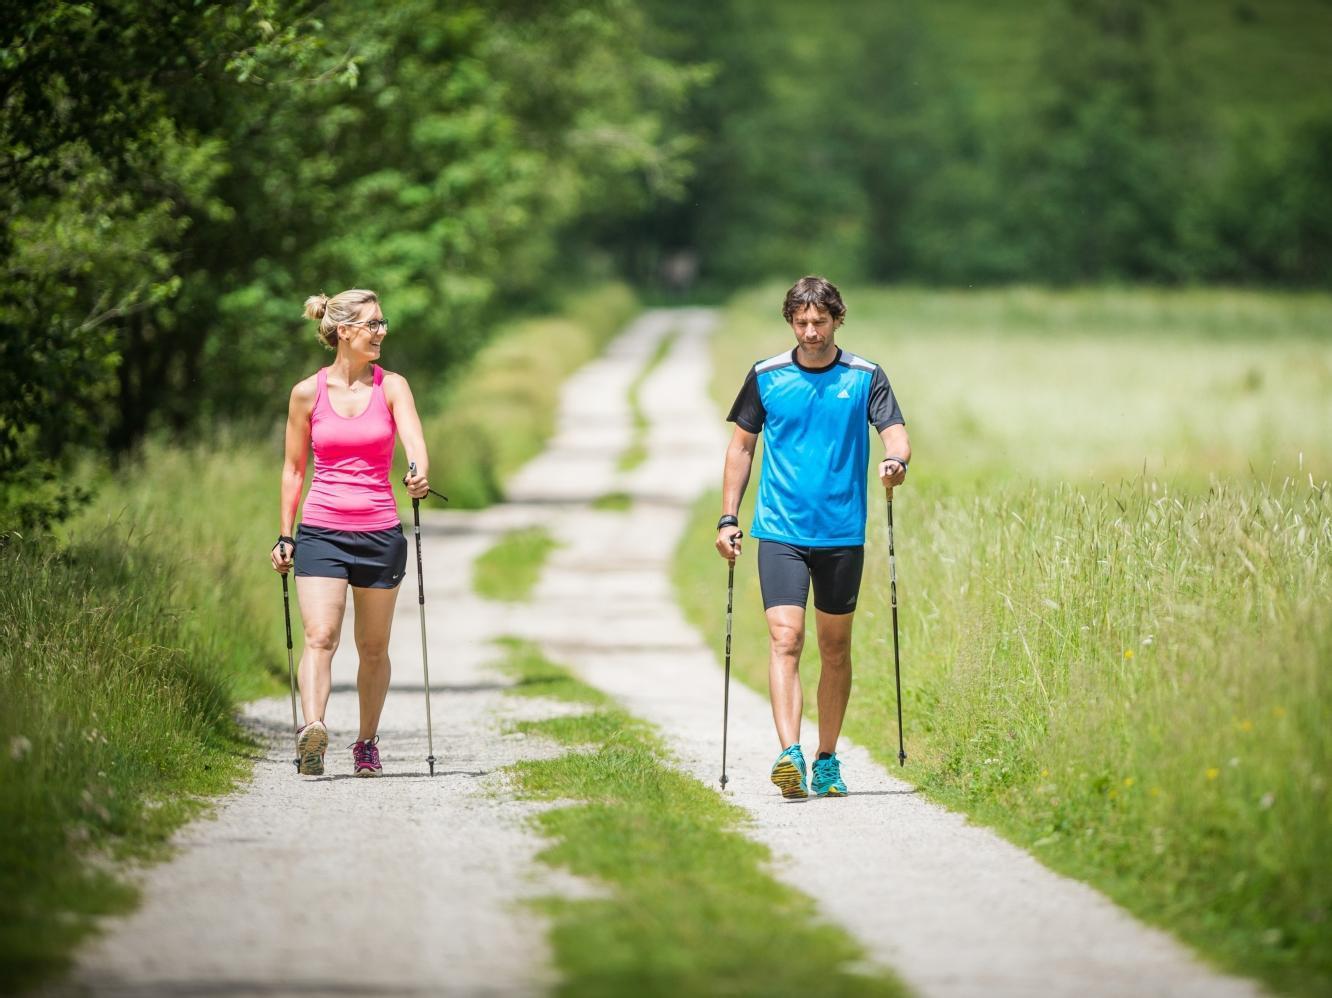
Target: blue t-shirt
815,445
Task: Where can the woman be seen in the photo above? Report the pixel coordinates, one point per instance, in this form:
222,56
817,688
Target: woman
350,534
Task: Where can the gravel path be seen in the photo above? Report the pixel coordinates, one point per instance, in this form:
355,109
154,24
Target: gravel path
954,909
408,885
403,885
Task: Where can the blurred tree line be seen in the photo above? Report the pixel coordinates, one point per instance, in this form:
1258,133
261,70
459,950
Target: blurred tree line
838,138
176,177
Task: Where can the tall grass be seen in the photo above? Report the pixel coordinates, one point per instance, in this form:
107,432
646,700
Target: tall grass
122,651
1130,676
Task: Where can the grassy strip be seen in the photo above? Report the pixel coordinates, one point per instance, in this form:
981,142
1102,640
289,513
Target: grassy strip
510,568
499,413
615,502
636,453
690,909
1131,680
116,693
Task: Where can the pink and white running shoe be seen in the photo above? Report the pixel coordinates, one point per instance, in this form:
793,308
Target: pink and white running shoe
365,757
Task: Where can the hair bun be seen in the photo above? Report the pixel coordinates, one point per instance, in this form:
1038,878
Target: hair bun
316,306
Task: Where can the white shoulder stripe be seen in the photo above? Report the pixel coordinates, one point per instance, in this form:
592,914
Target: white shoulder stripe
854,361
782,358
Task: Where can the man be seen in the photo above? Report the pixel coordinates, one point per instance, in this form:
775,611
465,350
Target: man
814,403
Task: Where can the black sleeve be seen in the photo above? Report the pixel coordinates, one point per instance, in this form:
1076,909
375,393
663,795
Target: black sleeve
747,412
883,410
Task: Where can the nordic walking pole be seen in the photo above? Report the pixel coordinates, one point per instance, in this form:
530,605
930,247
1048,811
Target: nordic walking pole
291,668
726,688
897,663
420,599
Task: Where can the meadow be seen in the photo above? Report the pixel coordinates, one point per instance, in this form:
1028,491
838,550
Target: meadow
1114,556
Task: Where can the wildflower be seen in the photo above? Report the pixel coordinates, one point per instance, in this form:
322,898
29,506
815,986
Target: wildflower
1245,725
1148,640
1267,800
1045,772
19,747
1128,781
1128,652
1213,772
1155,791
1113,793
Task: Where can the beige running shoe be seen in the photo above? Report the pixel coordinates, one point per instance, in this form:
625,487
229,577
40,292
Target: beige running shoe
311,741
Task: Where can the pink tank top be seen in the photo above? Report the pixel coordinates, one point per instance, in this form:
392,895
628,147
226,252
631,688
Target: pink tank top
352,458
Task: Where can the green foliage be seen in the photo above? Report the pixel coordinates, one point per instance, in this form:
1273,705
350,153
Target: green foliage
1129,678
689,907
161,228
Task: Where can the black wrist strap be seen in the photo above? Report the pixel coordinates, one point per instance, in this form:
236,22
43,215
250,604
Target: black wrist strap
728,521
897,459
284,539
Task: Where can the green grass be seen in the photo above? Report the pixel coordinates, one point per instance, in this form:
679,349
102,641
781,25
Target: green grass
636,453
116,690
689,908
510,568
616,502
1128,675
498,414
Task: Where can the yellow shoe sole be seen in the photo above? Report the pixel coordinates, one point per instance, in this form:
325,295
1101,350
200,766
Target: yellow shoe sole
786,778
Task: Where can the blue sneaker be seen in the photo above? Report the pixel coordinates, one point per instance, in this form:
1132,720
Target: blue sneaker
827,779
788,773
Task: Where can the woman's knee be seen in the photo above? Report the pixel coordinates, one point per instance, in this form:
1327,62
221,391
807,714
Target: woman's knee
320,637
372,652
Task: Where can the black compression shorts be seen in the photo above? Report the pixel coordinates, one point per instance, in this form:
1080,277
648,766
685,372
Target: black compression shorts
367,559
785,573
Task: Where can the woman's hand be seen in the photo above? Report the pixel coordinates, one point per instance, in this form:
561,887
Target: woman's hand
283,554
418,486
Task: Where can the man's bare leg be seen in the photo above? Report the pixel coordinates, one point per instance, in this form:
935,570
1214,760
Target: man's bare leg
834,631
786,639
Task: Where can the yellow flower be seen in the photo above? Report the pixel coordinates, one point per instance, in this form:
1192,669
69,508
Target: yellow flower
1156,791
1246,725
1128,781
1128,652
1113,793
1045,772
1213,772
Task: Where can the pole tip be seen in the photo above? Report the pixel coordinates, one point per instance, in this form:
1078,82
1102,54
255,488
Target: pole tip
723,781
431,760
901,758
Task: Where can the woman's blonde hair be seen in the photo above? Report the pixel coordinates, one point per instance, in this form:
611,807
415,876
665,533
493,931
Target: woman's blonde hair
331,312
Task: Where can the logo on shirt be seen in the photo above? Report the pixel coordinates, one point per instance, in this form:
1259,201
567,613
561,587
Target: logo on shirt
843,394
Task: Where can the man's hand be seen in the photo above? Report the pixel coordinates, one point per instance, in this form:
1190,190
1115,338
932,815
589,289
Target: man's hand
728,542
892,471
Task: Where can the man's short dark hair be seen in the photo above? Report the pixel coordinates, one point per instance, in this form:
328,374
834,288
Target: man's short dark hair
815,291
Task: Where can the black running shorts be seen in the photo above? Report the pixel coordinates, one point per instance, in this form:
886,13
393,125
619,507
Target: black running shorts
785,572
367,559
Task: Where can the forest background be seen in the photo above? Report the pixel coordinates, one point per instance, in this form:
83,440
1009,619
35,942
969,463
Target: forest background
176,178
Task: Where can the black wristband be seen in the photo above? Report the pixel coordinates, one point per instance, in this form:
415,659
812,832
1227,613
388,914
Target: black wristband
728,521
289,541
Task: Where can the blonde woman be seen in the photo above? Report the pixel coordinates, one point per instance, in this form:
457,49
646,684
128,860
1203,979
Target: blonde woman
350,536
